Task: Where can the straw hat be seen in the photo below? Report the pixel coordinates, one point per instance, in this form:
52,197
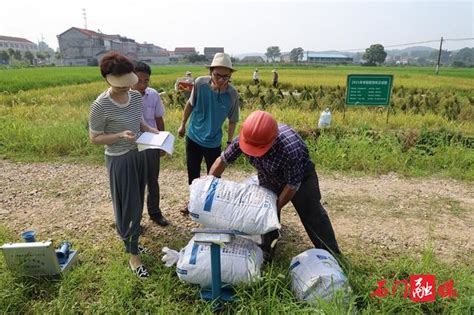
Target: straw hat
188,73
221,60
124,80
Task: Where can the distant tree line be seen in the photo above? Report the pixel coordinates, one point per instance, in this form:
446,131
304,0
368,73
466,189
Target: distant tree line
373,56
11,56
376,55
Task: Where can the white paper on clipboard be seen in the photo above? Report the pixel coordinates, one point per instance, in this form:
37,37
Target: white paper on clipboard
162,140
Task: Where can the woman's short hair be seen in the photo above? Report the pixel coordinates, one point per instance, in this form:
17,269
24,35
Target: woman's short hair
115,64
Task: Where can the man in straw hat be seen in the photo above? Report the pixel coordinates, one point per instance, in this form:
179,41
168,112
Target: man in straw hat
212,101
282,161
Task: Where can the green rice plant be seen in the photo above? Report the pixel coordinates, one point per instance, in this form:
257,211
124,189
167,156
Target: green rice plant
248,93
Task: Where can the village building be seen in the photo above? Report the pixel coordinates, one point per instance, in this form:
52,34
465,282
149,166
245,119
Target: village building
209,52
81,47
17,43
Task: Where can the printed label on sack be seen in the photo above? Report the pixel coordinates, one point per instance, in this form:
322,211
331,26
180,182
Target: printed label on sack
237,248
250,196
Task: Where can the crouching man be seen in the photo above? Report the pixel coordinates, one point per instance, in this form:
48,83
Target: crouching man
283,164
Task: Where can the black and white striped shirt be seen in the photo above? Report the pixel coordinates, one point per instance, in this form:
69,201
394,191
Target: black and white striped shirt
108,117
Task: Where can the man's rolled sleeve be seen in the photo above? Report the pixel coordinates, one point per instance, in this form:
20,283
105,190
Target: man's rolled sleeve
294,177
159,108
295,170
234,112
232,152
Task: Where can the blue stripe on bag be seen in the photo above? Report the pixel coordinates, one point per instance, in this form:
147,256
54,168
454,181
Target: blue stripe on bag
296,264
192,259
210,195
181,271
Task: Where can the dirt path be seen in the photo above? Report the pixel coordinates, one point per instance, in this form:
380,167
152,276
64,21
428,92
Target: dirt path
385,214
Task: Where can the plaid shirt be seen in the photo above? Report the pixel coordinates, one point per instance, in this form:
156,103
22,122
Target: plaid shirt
284,164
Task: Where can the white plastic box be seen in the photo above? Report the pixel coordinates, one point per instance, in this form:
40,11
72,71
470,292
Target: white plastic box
36,258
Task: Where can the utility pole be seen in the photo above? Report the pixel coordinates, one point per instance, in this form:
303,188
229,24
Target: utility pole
439,54
84,14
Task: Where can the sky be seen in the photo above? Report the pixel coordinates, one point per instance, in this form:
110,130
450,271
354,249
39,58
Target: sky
249,26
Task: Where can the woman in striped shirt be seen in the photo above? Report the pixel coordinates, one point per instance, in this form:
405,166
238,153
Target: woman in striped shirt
116,122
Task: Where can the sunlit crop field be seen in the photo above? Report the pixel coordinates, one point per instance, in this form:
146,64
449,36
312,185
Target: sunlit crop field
44,115
13,80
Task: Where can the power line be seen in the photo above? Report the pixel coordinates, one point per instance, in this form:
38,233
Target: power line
415,43
459,39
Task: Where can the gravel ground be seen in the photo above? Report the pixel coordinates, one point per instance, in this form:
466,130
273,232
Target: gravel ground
387,214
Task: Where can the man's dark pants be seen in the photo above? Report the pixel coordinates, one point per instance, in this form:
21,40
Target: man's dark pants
307,202
194,155
153,187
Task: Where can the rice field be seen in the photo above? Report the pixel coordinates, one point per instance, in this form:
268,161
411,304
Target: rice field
14,80
44,115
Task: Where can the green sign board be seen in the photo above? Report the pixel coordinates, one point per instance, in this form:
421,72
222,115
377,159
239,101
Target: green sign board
369,89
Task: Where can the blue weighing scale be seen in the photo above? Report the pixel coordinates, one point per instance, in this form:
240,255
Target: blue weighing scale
216,238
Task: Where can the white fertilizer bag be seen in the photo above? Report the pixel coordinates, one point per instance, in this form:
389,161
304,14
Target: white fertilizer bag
315,273
223,204
241,261
251,180
257,239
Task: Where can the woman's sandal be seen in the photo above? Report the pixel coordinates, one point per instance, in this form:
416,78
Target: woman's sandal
142,249
141,272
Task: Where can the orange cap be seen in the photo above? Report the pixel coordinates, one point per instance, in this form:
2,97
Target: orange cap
258,133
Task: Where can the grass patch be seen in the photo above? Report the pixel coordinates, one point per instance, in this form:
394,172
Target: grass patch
101,283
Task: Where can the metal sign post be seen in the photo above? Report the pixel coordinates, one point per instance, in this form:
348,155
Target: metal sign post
369,90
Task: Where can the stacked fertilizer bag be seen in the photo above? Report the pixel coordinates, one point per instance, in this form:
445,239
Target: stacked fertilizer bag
223,204
247,209
315,274
241,261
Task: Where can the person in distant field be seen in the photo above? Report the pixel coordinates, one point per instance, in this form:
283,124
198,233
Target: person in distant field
185,84
275,78
153,112
283,165
116,121
256,77
213,100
